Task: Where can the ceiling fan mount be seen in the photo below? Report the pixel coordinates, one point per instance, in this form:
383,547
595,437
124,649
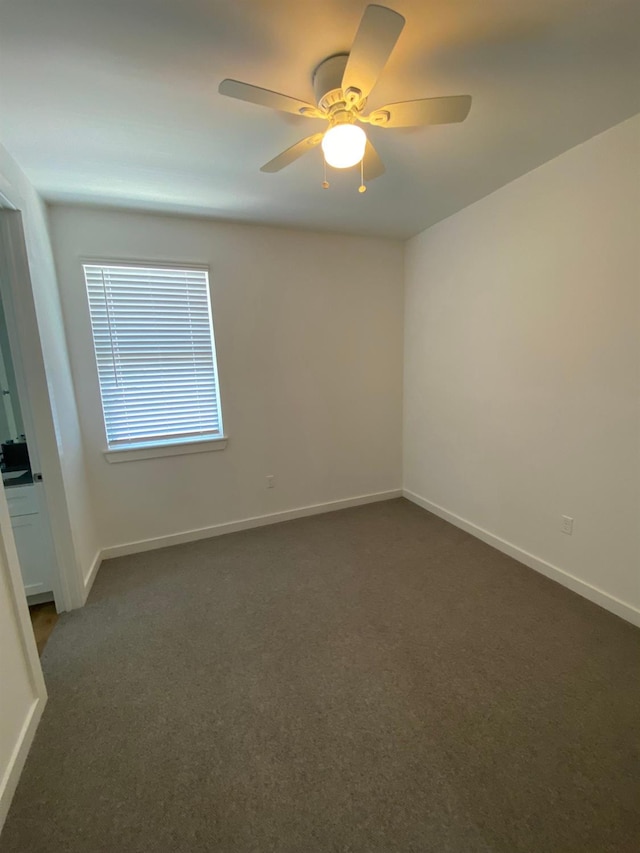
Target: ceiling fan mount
342,84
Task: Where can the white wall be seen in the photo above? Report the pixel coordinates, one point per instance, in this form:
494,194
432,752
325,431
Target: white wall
309,339
50,389
11,425
522,366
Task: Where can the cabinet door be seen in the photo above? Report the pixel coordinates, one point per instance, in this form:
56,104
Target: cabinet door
32,553
21,500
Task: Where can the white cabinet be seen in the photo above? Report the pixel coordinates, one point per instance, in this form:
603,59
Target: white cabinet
29,533
22,500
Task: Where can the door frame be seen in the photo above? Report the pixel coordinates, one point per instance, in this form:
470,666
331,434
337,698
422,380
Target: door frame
64,582
11,580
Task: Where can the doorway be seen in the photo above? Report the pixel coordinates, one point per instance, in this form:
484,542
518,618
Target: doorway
22,479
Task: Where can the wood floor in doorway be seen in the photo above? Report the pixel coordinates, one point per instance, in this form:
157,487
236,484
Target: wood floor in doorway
43,620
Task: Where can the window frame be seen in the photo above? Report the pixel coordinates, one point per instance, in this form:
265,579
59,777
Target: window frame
163,448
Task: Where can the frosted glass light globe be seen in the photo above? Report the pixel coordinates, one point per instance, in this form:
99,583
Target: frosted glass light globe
343,145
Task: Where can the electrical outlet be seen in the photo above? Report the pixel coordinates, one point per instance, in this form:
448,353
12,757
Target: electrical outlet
567,525
271,481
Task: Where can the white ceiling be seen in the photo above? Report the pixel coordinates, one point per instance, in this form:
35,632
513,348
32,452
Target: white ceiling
115,101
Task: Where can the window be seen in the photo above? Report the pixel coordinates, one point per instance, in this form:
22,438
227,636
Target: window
155,352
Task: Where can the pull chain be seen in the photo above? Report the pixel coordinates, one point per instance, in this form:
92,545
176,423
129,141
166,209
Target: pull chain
362,188
325,183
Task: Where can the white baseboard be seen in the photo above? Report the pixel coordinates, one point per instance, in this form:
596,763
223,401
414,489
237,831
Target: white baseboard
593,593
91,575
14,768
245,524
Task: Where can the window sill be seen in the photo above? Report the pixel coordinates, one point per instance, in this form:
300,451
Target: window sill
133,454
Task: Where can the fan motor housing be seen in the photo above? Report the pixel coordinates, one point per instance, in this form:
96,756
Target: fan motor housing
327,78
327,86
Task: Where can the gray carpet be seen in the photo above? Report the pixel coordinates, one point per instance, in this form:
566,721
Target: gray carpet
369,680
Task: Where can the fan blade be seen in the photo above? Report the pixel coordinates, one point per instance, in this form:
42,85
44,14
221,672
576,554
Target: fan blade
377,34
425,111
373,166
287,157
267,98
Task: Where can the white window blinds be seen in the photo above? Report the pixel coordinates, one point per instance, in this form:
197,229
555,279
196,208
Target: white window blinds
155,351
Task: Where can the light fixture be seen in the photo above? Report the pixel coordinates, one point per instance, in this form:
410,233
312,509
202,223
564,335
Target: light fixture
343,145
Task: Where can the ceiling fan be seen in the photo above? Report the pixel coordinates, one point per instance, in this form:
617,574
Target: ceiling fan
342,84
